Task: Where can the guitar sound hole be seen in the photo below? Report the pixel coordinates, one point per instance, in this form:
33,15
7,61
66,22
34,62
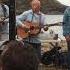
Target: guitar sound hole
31,27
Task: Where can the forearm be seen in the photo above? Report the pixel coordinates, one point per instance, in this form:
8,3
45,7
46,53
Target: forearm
19,24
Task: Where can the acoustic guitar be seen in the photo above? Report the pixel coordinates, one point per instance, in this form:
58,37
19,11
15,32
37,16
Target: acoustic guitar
32,30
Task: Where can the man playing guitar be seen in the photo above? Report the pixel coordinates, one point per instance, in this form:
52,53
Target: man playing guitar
4,26
34,17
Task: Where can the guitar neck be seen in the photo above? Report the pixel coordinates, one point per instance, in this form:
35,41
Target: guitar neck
55,24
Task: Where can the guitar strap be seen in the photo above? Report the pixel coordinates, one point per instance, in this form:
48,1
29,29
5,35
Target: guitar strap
40,24
39,18
32,16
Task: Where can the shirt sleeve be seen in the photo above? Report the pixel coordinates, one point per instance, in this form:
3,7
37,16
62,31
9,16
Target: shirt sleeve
21,18
7,11
7,14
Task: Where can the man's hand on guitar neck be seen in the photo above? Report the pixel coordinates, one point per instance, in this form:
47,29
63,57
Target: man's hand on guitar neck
45,28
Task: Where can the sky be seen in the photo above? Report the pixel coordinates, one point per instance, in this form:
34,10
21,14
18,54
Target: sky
65,2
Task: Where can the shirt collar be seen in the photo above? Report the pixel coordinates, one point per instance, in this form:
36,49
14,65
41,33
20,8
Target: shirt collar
35,13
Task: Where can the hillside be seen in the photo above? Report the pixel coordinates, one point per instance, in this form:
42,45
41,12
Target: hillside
48,6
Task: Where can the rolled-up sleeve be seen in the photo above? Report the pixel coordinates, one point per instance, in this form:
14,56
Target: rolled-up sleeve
21,18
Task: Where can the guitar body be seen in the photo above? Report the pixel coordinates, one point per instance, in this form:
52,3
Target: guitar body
33,30
21,33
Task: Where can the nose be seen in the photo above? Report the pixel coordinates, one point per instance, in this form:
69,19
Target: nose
34,7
